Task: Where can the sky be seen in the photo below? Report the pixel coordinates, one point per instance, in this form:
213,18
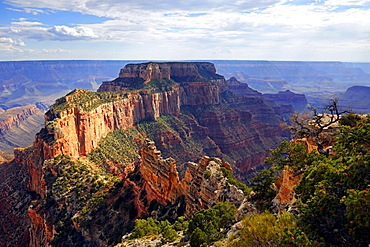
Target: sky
293,30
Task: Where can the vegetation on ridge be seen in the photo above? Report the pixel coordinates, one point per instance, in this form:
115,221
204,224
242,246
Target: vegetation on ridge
118,146
87,100
333,196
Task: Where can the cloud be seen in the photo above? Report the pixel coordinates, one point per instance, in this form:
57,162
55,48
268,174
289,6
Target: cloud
116,9
23,22
34,11
69,33
30,54
220,27
30,31
6,41
346,2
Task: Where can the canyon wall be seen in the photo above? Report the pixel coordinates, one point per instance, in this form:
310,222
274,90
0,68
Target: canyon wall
202,118
77,132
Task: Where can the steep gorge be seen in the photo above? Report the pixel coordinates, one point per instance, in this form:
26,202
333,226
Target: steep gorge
185,108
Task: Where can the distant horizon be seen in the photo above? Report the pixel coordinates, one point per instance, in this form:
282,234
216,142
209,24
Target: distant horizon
181,60
270,30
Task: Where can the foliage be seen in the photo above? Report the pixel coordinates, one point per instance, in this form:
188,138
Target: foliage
267,230
145,227
333,195
85,188
118,146
207,174
311,126
188,149
350,119
290,155
181,224
86,100
160,85
81,183
154,227
334,191
198,238
263,189
209,225
169,233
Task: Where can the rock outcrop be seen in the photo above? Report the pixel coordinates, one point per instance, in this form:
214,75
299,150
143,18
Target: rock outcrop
285,197
203,185
238,87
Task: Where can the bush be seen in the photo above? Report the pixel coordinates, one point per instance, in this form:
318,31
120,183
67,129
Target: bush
206,225
169,234
145,227
267,230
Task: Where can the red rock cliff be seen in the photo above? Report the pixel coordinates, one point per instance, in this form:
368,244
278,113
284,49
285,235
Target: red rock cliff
77,132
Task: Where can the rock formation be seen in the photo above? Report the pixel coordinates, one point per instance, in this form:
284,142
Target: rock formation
187,110
298,101
356,99
200,190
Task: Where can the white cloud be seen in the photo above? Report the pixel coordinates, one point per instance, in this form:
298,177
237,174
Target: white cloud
37,31
114,8
346,2
34,11
220,27
6,41
65,32
23,22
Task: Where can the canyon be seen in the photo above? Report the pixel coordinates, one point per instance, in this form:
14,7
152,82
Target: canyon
185,108
40,83
160,141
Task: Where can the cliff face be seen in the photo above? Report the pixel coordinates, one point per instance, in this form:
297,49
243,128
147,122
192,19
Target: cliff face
356,98
76,132
162,181
18,126
189,113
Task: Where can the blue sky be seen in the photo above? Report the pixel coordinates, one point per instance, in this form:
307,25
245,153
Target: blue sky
317,30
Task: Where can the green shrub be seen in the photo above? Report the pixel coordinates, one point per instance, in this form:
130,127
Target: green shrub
145,227
206,224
